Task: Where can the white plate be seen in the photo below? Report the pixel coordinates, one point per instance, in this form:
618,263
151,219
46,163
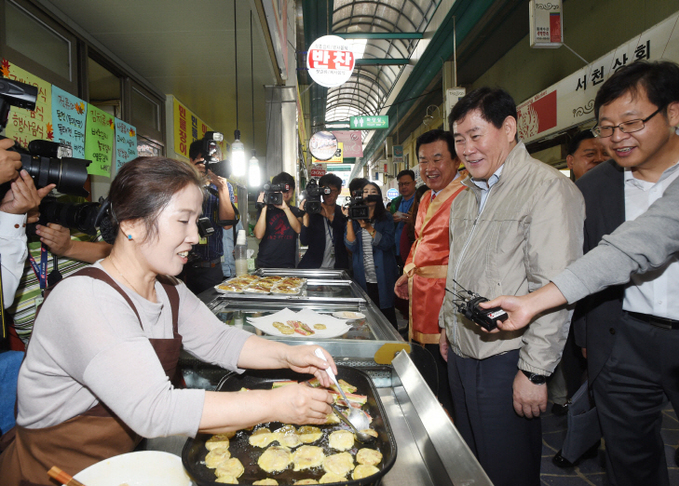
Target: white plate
334,327
141,468
348,315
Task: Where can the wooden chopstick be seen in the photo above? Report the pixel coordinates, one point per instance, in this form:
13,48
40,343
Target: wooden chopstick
63,478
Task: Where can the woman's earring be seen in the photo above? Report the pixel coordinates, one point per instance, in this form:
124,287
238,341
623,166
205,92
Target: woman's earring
129,237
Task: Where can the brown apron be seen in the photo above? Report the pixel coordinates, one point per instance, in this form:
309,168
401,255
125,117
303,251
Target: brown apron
88,438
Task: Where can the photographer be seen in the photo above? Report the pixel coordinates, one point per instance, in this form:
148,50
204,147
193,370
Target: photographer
205,270
371,242
277,228
323,233
17,202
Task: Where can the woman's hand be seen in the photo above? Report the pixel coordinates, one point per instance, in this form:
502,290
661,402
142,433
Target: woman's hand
303,359
301,404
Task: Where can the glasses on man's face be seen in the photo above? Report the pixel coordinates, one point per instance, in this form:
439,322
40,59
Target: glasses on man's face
625,127
400,184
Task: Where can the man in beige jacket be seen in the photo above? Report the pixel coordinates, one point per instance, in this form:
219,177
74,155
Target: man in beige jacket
517,224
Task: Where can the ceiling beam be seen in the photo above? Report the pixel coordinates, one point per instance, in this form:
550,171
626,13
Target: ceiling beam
382,61
380,35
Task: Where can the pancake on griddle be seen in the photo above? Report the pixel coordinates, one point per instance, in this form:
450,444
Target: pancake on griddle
275,459
307,457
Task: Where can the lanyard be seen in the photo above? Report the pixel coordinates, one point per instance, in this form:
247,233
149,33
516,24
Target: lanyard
41,270
330,231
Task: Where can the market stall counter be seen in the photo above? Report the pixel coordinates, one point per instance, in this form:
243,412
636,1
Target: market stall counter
428,448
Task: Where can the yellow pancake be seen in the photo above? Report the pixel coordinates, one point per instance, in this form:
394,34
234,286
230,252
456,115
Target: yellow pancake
216,456
226,479
341,440
370,432
309,434
307,457
331,478
270,481
275,459
262,437
369,457
305,481
364,471
219,440
231,467
341,463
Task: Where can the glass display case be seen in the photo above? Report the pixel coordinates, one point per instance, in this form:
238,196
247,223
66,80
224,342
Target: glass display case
325,292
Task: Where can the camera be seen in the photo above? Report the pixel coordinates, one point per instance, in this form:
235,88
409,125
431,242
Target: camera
85,217
313,196
467,304
205,228
273,193
358,205
212,155
46,162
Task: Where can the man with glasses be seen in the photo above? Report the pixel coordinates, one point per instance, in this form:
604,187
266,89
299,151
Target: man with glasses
323,233
632,330
400,206
277,228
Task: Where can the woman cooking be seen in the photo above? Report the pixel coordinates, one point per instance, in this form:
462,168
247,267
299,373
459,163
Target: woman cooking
97,372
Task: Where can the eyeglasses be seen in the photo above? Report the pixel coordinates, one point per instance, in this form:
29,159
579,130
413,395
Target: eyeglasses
625,127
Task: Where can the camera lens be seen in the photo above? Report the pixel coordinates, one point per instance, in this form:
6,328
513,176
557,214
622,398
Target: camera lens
68,174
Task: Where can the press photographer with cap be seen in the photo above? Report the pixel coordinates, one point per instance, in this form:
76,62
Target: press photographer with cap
97,375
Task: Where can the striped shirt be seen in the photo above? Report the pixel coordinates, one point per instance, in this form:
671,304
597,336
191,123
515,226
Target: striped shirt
29,295
368,260
212,248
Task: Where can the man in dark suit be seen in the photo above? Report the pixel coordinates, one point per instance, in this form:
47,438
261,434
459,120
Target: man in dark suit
632,331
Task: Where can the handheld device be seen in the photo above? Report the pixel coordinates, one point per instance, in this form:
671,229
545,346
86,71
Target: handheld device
467,302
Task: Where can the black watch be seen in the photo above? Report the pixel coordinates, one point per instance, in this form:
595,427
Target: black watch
535,379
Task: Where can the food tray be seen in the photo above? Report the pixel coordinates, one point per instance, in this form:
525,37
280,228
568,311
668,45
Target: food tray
194,452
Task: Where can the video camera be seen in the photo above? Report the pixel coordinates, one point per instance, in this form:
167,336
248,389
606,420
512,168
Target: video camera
358,205
313,194
212,155
273,193
467,304
46,162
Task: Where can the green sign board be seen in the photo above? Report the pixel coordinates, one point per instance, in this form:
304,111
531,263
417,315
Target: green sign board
369,122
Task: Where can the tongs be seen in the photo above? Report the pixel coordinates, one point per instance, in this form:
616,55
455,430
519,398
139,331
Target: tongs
357,418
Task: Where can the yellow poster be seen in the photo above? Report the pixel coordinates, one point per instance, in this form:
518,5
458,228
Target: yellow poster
189,128
25,126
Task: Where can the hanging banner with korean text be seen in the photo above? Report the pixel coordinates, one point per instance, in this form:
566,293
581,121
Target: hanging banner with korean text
570,102
188,128
126,143
69,115
330,61
99,141
25,126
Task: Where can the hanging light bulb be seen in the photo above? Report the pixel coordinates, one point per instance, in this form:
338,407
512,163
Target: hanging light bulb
238,168
254,177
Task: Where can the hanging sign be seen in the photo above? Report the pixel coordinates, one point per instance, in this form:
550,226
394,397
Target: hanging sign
99,141
397,151
25,126
323,145
317,170
126,143
69,114
546,30
369,122
392,193
337,157
352,140
330,61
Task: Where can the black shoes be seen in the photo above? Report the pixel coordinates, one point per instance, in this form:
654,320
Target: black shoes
562,462
560,410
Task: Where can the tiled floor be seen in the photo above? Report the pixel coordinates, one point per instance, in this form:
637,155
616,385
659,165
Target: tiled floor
592,471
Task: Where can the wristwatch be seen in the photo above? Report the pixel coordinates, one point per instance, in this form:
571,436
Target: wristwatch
535,379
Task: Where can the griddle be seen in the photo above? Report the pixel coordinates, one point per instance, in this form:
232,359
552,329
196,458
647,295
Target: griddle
194,452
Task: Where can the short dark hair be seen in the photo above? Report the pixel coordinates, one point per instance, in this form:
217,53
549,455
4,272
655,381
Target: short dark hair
660,80
494,104
406,172
577,139
330,180
357,184
284,178
143,187
196,149
434,136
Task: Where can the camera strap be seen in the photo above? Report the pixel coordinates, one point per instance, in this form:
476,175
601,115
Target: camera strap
40,270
